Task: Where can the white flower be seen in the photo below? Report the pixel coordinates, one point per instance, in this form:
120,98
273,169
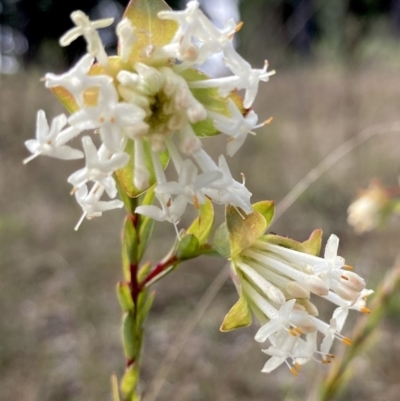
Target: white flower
366,212
246,78
91,204
88,29
76,80
226,190
236,126
190,184
127,38
100,165
47,143
110,116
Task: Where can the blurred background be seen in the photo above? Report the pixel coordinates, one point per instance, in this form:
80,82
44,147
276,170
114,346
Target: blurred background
338,72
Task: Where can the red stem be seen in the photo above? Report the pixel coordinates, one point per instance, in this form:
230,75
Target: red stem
158,269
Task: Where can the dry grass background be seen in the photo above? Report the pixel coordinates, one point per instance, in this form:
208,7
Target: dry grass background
59,325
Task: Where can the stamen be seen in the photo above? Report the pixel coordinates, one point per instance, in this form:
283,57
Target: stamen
344,277
196,202
365,310
347,267
346,341
297,366
30,158
76,228
239,26
298,330
293,371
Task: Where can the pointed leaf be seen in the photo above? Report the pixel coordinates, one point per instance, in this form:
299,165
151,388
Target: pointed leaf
125,174
144,271
243,229
238,316
313,245
284,241
124,297
187,247
129,382
146,224
267,209
203,225
212,100
130,241
220,242
129,336
150,30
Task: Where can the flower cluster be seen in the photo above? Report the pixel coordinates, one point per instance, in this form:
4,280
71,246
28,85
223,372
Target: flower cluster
276,278
148,104
370,209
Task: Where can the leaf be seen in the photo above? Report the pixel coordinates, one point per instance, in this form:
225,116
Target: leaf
129,382
124,297
284,241
150,30
202,226
143,271
313,245
129,242
125,174
212,100
243,229
146,224
267,209
220,242
238,316
129,336
187,247
144,305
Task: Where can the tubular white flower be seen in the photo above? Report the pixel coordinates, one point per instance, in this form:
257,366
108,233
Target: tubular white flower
76,80
91,204
110,116
127,38
100,165
46,143
88,29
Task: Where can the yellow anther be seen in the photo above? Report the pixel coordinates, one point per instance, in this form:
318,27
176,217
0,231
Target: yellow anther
169,203
325,361
294,371
297,366
74,189
298,330
293,332
195,202
239,26
347,267
344,277
112,119
346,341
330,356
268,121
365,310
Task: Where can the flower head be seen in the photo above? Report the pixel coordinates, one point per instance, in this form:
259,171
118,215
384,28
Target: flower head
277,279
150,103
